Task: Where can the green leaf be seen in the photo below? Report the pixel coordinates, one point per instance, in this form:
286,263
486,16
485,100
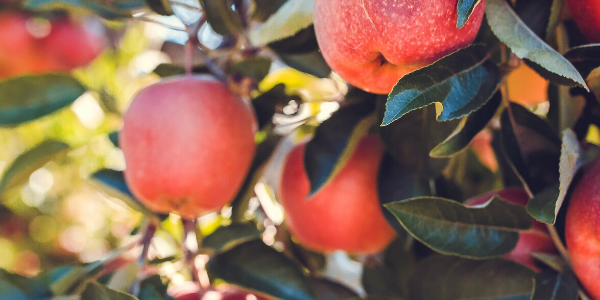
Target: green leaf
334,142
64,281
464,10
221,17
550,285
542,206
449,227
394,183
389,277
160,7
20,169
29,97
265,8
168,70
266,104
114,138
541,16
554,261
258,267
410,139
51,276
10,292
462,82
511,30
149,293
535,14
155,287
123,278
545,207
585,58
113,179
227,237
450,278
256,68
33,288
289,19
468,128
96,291
113,183
106,9
532,148
302,42
311,63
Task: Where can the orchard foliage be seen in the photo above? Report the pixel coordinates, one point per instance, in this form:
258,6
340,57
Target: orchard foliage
71,228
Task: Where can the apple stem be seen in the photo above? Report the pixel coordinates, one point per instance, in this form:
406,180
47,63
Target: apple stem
191,44
189,229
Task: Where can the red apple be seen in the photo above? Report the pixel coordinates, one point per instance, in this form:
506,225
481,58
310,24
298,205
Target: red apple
70,44
188,144
582,229
536,239
586,14
373,43
345,214
17,50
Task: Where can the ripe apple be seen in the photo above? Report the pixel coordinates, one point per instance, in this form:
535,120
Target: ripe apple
17,50
70,44
586,14
345,214
526,87
582,229
373,43
188,144
191,291
535,239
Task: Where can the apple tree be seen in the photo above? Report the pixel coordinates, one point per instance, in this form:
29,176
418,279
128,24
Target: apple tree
299,149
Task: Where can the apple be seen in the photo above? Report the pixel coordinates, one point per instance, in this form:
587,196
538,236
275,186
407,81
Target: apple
188,143
17,50
191,291
586,14
66,46
70,44
345,214
535,239
582,229
373,43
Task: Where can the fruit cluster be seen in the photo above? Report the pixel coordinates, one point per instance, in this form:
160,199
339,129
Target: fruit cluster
195,143
35,45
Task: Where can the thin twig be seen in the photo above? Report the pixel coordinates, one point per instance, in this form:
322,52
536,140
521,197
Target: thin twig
559,244
143,259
